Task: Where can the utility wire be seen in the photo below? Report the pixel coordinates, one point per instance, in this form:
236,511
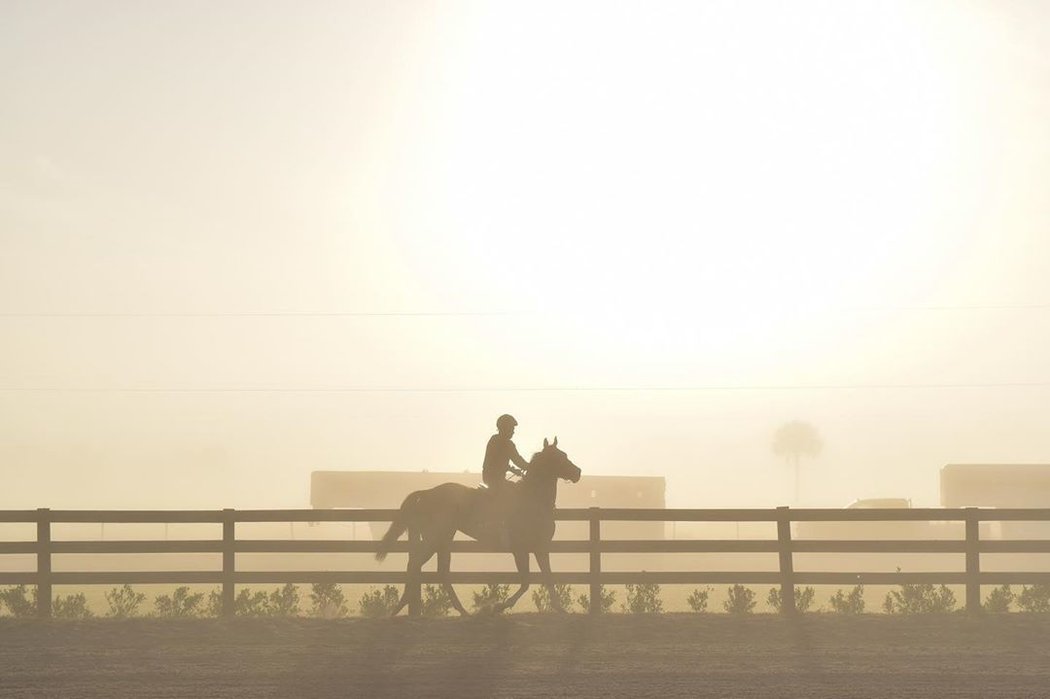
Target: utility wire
278,314
452,314
545,389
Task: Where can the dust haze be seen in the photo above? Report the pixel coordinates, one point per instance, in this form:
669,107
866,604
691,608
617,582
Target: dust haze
243,242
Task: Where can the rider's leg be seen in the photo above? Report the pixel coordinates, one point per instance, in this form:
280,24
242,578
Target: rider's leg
499,504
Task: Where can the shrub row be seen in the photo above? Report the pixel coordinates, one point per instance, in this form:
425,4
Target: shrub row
124,602
328,601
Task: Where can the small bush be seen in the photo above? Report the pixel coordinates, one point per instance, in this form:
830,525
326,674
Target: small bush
741,600
179,604
436,601
1034,599
542,598
283,602
643,598
327,601
999,600
71,607
19,601
213,606
853,603
379,603
608,598
124,602
250,602
803,599
490,595
697,600
919,599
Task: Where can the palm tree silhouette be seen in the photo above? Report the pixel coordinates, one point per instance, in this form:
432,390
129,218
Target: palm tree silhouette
793,440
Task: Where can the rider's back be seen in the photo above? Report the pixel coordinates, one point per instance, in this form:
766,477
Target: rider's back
498,454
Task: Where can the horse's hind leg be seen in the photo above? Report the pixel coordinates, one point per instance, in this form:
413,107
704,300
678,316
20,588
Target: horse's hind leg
415,567
444,563
521,560
543,559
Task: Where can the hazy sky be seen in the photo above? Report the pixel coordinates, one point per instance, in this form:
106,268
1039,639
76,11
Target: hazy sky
835,212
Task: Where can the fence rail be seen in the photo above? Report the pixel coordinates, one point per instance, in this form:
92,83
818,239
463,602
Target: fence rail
784,545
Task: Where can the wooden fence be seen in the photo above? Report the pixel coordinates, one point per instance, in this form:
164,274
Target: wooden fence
971,547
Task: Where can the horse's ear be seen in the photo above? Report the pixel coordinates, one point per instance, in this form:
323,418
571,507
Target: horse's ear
545,445
555,441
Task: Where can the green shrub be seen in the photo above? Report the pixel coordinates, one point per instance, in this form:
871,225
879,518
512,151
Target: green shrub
379,603
607,599
327,601
741,600
71,607
19,601
249,602
542,599
436,601
853,603
124,602
921,598
803,599
490,595
213,607
643,598
999,600
697,600
283,602
179,604
1034,599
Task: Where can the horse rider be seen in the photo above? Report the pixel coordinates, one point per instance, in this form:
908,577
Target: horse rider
499,453
501,456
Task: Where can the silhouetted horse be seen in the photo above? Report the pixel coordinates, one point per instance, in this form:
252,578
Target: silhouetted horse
438,513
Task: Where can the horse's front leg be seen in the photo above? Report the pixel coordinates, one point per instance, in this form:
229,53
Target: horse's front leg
521,559
543,559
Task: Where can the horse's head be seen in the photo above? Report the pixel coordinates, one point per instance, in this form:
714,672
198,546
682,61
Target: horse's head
554,461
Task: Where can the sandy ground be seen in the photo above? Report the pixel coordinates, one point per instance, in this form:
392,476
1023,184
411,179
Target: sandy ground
531,655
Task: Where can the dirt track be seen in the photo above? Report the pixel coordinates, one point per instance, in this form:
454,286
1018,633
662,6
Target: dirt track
531,655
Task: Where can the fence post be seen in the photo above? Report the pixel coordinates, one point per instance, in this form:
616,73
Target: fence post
596,560
787,564
43,563
973,561
412,586
229,538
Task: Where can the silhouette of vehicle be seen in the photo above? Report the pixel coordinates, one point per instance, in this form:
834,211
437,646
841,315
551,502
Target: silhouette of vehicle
867,530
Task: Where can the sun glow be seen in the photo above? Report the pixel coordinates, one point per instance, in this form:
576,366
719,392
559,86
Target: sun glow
662,182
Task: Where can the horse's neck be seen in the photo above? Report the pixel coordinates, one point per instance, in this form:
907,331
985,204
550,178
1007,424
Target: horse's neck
541,489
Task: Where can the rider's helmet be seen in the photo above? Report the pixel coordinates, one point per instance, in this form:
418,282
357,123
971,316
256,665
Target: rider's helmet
505,422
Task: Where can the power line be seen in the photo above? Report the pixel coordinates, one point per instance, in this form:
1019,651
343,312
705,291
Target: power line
452,314
541,389
976,307
277,314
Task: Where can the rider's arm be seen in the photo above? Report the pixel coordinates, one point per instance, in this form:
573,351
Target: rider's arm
516,459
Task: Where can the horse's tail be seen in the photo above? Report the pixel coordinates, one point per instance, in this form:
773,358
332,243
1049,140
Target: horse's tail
399,525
